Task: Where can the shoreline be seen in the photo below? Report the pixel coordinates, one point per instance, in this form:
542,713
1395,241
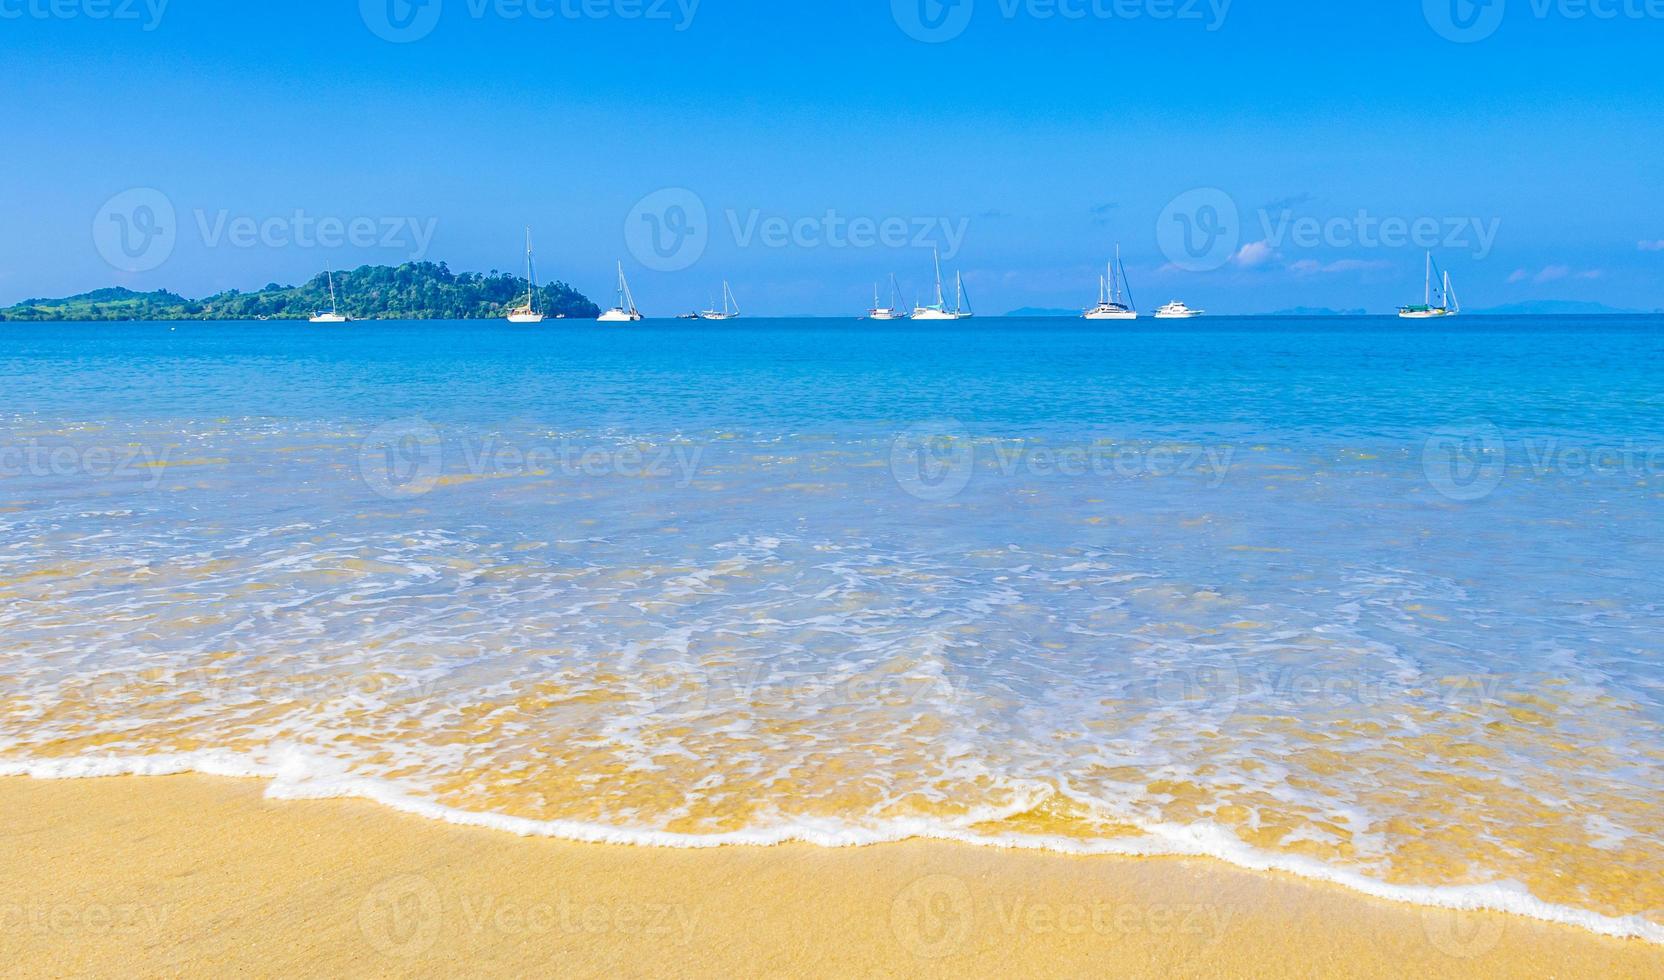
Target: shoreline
190,873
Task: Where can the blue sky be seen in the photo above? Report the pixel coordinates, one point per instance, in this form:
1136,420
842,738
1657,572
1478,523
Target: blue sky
827,146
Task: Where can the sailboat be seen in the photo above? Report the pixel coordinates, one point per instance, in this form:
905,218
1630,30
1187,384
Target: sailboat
891,312
961,301
939,309
1448,304
528,313
625,311
1109,305
334,314
730,308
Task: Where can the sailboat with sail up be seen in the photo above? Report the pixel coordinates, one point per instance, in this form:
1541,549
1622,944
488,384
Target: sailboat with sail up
730,306
1110,287
1448,304
625,311
527,313
334,315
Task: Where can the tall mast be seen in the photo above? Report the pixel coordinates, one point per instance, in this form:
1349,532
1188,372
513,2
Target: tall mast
1427,299
531,280
941,301
332,305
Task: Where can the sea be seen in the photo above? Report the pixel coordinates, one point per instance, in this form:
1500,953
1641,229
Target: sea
1367,601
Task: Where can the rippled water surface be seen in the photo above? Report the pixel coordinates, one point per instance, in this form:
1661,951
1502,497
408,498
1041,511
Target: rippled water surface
1359,601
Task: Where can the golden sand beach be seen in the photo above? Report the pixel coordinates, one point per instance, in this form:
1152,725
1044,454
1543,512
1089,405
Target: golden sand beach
198,876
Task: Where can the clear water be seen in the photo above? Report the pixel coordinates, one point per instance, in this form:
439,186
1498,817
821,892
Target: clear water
1357,599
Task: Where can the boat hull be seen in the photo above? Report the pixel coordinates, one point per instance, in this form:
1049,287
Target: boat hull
1109,315
525,318
1424,314
619,316
933,315
328,318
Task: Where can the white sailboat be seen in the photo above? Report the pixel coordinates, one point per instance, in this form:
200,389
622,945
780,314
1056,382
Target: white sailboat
891,312
1448,304
625,311
334,315
528,313
730,307
939,309
1177,311
1109,305
961,301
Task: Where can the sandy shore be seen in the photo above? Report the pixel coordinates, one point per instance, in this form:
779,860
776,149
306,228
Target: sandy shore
197,876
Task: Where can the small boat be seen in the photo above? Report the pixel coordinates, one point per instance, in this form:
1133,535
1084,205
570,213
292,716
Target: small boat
891,312
334,315
1448,304
730,308
1177,311
528,312
687,316
625,311
1109,305
939,310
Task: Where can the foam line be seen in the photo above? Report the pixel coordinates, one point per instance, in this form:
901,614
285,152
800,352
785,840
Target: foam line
293,775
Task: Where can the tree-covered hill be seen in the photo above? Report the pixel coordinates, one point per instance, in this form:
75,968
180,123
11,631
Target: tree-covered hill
414,291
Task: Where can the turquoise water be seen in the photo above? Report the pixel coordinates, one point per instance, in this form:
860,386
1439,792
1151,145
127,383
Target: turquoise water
1358,599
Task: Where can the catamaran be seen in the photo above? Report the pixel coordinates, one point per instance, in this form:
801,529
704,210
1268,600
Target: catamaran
730,307
891,312
625,311
334,315
1177,311
939,309
1109,305
1449,305
528,313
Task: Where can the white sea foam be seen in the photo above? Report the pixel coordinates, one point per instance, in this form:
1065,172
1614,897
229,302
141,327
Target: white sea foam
294,774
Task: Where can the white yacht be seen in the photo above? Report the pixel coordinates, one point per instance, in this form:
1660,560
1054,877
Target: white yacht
891,312
528,312
730,308
1448,304
939,309
1177,311
334,315
625,311
1110,306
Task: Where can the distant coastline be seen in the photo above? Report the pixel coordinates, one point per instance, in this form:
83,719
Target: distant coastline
413,291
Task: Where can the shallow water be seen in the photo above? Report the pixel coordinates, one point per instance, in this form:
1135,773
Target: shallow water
1359,600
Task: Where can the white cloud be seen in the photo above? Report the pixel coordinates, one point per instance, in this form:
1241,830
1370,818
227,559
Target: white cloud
1254,254
1657,246
1312,267
1552,273
1520,275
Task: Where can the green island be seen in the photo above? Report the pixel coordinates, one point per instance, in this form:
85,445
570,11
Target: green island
413,291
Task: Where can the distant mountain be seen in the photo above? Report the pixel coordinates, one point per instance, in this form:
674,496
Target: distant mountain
1553,307
413,291
1042,311
1317,311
